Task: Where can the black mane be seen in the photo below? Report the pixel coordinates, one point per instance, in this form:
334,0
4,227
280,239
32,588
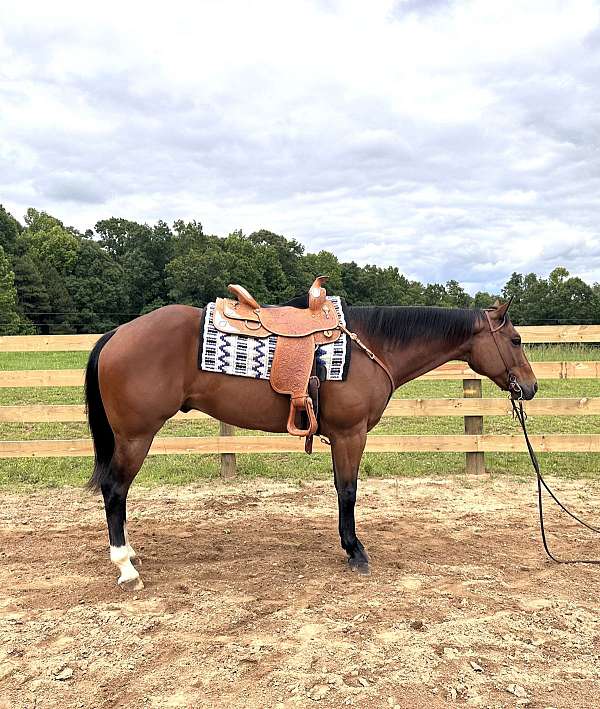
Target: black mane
402,325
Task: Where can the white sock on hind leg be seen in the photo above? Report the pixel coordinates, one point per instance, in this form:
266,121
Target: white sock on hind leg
121,558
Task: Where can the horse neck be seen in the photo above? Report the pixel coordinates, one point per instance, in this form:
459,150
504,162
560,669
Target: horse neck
409,361
417,358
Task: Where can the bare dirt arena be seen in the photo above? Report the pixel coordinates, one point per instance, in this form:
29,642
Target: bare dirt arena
248,601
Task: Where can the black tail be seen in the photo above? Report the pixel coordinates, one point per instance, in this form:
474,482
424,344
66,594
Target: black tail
102,433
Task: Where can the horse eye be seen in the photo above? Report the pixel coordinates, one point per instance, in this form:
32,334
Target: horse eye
516,341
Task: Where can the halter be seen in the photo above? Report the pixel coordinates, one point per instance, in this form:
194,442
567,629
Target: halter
513,385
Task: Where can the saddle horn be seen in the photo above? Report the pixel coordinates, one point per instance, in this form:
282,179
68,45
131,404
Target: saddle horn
317,294
242,295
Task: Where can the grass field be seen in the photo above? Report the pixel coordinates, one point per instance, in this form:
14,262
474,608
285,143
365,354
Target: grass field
47,472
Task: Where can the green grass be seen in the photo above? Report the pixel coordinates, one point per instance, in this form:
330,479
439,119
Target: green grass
44,395
27,474
563,353
42,360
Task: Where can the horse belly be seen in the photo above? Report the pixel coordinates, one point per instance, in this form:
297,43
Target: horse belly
239,401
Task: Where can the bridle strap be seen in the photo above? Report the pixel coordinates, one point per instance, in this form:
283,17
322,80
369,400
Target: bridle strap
493,332
498,327
513,384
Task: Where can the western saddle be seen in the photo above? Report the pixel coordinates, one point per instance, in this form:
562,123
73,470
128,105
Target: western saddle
299,332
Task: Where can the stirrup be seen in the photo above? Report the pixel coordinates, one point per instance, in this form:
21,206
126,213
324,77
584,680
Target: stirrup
299,404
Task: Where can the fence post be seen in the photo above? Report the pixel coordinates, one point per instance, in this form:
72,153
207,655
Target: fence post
228,463
475,463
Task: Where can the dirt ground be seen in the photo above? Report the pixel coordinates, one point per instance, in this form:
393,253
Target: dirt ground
248,601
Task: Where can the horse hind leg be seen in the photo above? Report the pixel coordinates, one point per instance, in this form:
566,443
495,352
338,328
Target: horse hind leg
127,460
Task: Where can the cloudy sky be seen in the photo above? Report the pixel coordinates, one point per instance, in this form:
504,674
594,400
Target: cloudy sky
451,138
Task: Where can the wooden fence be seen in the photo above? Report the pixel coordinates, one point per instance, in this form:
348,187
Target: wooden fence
472,408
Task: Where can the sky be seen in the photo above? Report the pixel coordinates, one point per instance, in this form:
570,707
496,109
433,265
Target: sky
453,139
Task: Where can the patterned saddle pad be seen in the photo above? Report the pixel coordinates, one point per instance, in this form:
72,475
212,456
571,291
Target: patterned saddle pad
252,356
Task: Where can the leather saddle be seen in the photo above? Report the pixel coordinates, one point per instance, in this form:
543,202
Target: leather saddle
299,332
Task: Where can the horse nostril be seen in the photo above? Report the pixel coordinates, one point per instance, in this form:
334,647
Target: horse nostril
535,387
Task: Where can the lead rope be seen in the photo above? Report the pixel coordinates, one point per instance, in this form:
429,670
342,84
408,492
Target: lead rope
522,417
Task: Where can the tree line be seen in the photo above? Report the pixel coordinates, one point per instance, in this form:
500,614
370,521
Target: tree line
55,279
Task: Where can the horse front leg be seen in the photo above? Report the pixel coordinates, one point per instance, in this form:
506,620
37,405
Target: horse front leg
346,451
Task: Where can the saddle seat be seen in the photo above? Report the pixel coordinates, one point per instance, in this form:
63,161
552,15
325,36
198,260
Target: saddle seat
299,332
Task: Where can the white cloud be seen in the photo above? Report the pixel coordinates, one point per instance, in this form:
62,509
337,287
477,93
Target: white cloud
454,139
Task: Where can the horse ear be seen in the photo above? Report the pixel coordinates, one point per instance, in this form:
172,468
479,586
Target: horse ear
502,308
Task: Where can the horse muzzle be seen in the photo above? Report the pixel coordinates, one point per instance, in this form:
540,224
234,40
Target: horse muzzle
521,390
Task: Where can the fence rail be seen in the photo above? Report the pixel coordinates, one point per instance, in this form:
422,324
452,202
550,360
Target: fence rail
547,334
474,443
42,413
486,443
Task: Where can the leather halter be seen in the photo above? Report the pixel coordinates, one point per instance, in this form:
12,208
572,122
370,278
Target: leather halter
513,384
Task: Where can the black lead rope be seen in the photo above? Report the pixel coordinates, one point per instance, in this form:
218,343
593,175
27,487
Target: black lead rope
522,416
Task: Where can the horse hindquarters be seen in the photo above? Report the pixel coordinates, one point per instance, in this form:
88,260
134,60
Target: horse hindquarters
135,380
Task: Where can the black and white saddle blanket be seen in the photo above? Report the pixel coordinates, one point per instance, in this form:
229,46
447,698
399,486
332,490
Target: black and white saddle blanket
246,356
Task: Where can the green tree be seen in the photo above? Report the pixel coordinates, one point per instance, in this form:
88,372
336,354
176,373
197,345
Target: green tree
34,302
558,298
50,242
325,264
570,299
121,236
198,267
69,282
434,294
515,289
198,277
143,253
62,317
188,236
11,322
288,253
97,289
9,231
534,303
373,285
83,288
244,265
456,296
482,299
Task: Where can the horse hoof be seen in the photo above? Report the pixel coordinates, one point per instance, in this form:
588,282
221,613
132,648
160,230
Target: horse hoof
135,584
360,567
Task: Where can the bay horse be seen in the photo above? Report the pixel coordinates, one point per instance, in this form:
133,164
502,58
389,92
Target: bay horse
142,373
